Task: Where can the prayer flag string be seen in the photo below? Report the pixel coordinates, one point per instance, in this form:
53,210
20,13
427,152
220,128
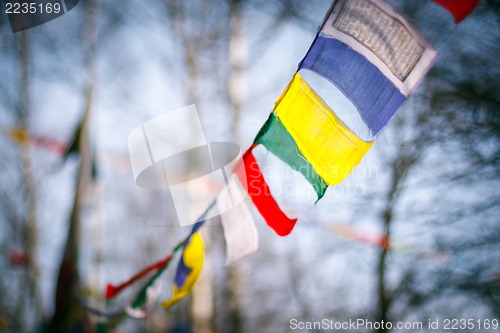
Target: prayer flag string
376,58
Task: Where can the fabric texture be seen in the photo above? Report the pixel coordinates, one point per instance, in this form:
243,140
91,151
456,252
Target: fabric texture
259,192
460,9
374,96
384,37
373,55
326,142
278,141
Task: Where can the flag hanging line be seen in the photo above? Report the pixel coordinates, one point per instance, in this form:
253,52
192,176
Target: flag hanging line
160,266
376,58
21,136
141,304
190,264
120,312
142,298
139,308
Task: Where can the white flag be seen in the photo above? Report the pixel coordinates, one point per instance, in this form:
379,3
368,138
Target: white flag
240,232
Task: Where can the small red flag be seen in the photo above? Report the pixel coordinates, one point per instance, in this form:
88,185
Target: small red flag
112,290
458,8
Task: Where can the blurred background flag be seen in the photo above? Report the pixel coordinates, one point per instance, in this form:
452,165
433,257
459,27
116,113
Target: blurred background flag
349,232
140,309
112,290
21,136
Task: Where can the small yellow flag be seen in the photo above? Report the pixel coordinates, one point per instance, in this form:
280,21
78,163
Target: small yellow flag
192,258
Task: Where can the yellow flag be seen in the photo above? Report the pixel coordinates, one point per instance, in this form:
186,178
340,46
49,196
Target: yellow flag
326,142
192,258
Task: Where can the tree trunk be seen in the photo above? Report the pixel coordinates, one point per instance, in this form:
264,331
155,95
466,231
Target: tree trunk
236,90
400,167
68,313
29,234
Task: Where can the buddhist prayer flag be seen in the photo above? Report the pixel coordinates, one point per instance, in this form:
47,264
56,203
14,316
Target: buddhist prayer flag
458,8
327,143
113,291
145,301
373,55
278,141
21,136
258,190
373,94
376,59
189,267
240,232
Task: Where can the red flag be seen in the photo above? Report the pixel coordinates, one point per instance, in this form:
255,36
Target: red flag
50,144
21,136
458,8
112,290
259,192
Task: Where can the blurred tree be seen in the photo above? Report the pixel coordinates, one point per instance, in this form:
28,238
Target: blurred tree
68,313
437,182
22,302
454,113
